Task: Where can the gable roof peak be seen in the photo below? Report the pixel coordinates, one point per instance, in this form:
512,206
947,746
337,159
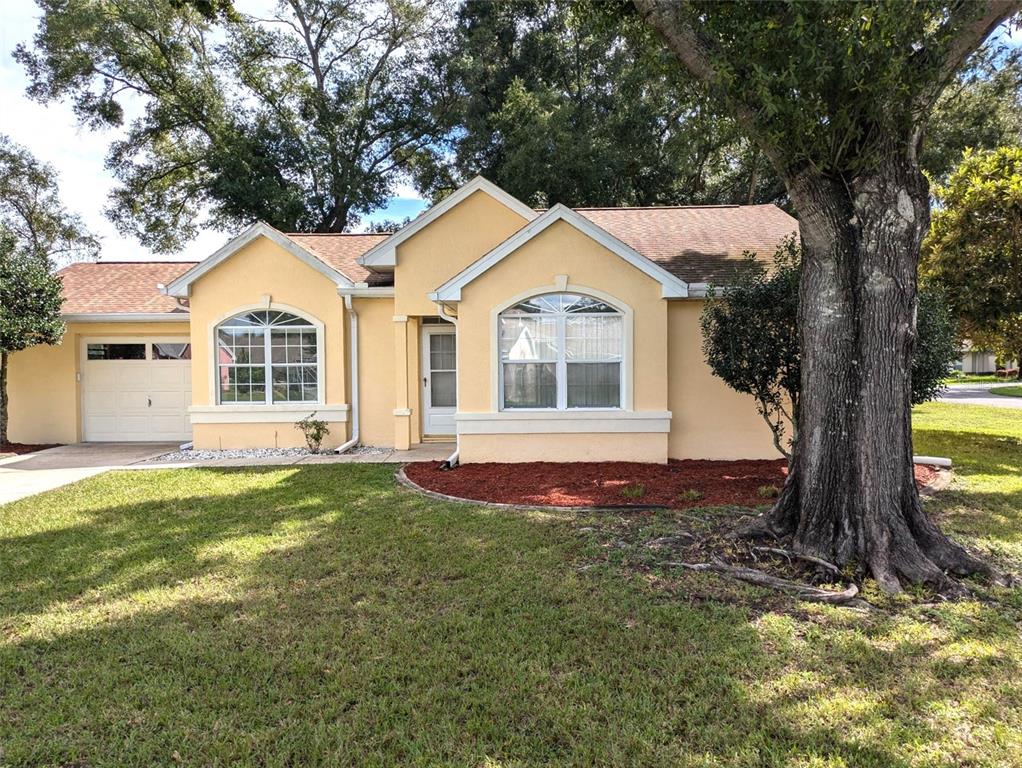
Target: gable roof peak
181,286
384,254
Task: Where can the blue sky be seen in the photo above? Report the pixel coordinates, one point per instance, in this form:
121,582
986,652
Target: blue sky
52,134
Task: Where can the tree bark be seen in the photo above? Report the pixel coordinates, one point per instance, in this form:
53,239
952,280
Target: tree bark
852,497
3,398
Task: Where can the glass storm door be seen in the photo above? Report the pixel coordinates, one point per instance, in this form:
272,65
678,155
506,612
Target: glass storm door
439,380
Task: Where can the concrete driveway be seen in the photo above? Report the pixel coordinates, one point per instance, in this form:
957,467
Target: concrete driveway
978,394
22,476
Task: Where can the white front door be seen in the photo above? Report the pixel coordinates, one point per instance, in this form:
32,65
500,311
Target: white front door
136,388
439,379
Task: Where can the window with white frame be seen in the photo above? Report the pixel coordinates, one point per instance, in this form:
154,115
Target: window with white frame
561,351
267,356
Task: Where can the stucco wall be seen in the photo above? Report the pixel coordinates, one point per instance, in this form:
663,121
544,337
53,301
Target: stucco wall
243,282
45,398
710,421
446,246
562,250
376,370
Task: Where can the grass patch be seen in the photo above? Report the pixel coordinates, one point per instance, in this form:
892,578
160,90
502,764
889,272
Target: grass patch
973,378
322,615
768,491
633,491
1015,391
690,494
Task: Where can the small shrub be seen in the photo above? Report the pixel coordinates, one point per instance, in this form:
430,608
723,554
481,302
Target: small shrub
634,491
314,431
768,491
690,495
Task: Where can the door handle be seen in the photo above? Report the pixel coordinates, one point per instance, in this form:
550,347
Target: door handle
149,402
425,381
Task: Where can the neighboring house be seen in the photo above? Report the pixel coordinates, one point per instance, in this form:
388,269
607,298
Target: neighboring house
975,360
560,335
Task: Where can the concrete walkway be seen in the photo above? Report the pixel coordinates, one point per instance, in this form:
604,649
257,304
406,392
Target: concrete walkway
22,476
978,394
33,473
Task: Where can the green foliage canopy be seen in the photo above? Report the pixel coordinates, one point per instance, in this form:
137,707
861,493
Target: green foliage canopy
974,249
304,119
31,211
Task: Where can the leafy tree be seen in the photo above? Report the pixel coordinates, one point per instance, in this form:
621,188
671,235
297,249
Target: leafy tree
304,119
750,340
974,249
837,96
982,109
30,301
558,105
31,211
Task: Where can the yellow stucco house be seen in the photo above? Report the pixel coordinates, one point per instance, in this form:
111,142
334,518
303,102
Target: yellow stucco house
558,335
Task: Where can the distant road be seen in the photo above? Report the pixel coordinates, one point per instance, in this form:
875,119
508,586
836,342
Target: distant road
978,394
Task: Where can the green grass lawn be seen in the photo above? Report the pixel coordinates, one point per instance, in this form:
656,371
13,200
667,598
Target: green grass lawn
1015,391
324,616
972,378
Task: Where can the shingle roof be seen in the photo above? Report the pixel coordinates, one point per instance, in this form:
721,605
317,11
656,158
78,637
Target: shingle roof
341,252
120,286
699,244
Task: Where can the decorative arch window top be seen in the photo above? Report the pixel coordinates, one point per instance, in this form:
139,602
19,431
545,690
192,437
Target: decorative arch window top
561,351
267,356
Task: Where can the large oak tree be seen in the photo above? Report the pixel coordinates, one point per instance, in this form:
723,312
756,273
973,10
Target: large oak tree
837,96
305,118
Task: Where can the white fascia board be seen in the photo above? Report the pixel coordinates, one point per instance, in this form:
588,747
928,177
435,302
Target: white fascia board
180,286
384,254
672,286
126,317
368,292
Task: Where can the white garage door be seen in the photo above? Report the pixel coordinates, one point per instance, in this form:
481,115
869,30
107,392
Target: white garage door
136,389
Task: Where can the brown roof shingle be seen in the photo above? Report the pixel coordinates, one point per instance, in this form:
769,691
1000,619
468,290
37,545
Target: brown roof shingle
120,286
341,251
699,244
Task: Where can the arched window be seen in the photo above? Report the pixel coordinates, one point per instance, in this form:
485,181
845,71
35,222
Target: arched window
561,350
267,356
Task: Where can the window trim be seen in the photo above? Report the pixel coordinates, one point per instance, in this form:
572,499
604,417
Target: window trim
561,285
214,379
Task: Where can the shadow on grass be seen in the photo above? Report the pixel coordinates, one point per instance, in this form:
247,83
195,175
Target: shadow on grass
321,615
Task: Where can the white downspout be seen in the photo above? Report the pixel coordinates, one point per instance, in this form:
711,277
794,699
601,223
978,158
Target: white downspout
353,317
452,461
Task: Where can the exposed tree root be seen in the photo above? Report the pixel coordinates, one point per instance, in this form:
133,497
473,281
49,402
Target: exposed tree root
847,598
799,556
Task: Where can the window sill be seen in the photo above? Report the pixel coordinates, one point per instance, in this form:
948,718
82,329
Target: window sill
287,413
562,422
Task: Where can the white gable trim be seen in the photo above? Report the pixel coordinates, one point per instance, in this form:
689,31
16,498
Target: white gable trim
180,286
673,287
384,254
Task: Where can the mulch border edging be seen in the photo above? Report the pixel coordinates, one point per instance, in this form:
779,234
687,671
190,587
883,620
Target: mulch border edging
944,477
411,485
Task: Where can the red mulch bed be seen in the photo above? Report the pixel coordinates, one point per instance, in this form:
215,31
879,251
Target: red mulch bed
603,484
17,449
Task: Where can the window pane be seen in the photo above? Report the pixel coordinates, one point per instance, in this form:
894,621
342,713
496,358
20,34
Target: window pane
530,385
441,352
172,351
593,338
442,391
528,338
116,352
594,385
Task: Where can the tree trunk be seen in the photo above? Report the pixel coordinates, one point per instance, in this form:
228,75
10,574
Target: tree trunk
853,498
3,398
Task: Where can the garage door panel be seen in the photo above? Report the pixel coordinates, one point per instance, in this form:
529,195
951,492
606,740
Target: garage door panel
136,399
